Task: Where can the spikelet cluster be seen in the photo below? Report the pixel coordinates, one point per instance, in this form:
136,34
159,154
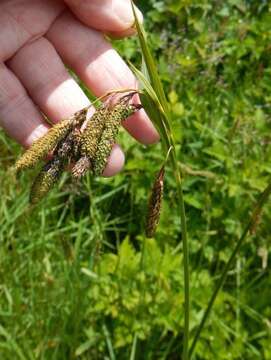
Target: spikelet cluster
91,136
45,180
89,142
155,203
51,172
41,147
81,167
86,148
117,115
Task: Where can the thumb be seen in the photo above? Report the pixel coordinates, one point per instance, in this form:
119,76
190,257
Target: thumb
106,15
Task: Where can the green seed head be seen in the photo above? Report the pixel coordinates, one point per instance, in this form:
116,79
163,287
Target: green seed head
89,148
119,113
91,135
45,180
41,147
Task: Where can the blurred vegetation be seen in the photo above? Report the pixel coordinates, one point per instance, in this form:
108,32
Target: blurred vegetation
75,280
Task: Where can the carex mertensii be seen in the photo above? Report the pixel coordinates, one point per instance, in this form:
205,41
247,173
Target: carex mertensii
84,147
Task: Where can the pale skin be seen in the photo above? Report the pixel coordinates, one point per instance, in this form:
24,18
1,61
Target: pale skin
37,38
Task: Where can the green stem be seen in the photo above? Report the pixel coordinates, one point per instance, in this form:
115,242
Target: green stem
185,255
251,224
157,97
186,279
170,144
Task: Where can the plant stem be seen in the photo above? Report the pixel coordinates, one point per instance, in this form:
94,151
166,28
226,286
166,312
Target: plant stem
133,352
185,254
170,149
108,342
251,224
169,145
186,279
156,94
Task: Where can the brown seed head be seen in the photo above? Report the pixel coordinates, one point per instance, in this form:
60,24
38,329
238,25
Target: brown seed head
45,180
81,167
155,203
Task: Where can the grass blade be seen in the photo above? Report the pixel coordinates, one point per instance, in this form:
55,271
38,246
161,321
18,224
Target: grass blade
150,63
133,351
12,344
251,224
109,343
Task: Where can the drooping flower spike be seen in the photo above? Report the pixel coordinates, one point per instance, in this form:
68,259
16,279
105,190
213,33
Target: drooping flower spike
85,148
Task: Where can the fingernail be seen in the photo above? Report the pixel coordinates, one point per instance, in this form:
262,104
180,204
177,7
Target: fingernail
125,14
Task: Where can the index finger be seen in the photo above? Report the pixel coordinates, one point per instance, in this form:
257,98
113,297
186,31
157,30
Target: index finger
114,16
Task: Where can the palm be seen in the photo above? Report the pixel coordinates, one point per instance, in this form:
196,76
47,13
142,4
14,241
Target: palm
37,38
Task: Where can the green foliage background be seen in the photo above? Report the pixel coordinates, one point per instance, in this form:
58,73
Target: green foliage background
74,283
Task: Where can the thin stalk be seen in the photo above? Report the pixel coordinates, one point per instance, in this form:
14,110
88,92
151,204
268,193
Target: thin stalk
155,89
167,136
169,148
112,92
171,152
169,145
143,248
185,255
251,225
133,352
109,343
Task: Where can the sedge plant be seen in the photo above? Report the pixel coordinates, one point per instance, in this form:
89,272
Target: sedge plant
90,150
155,103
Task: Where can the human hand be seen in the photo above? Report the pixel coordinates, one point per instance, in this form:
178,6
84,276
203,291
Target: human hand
37,38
